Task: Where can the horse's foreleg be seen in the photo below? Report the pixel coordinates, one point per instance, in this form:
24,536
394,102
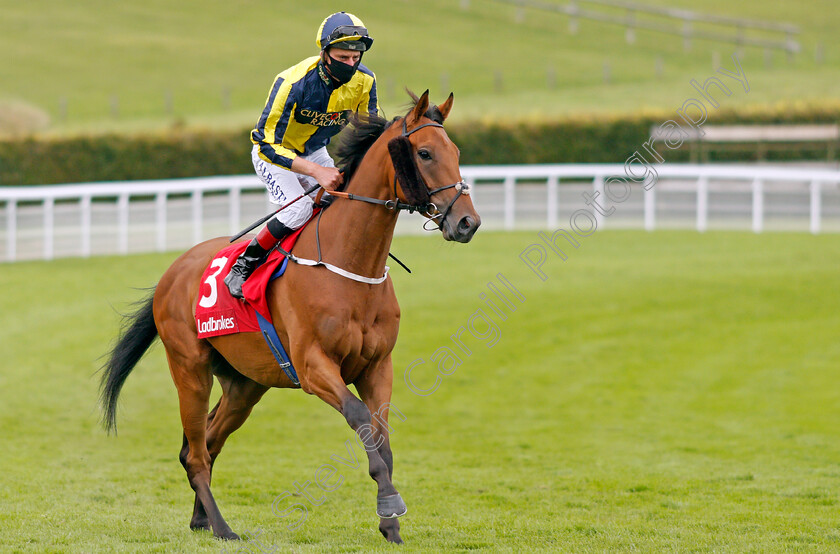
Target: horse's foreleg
324,380
374,388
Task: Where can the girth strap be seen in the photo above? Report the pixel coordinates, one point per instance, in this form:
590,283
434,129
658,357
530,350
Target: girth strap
269,333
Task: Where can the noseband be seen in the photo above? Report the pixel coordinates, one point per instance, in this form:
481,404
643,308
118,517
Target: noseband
429,209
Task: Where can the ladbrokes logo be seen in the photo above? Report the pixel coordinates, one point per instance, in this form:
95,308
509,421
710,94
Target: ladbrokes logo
216,324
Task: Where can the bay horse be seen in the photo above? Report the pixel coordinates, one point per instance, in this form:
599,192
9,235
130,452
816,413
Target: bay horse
337,331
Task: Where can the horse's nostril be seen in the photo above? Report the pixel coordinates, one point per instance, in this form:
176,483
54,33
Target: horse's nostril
465,223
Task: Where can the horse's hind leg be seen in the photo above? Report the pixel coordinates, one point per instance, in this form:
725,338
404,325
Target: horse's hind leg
239,396
194,380
199,520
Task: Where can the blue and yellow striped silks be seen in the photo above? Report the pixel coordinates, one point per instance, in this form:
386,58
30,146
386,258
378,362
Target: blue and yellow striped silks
305,110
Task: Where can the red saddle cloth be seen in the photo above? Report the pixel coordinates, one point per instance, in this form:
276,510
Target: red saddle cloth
219,313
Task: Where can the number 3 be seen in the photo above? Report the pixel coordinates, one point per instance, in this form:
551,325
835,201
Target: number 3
210,300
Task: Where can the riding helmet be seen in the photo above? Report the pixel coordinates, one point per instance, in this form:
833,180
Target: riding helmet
343,30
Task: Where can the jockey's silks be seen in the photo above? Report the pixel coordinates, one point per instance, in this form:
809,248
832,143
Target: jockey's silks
305,110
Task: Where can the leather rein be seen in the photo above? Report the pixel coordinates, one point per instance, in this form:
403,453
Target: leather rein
429,209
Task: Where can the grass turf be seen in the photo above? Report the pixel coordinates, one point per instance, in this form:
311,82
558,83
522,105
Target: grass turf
189,63
659,391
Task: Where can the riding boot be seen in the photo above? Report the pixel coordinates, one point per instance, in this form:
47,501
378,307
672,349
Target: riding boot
254,254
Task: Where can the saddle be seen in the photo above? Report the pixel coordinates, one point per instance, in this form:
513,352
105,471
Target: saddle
218,313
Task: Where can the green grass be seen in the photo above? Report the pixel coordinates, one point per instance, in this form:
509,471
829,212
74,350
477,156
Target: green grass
90,51
665,391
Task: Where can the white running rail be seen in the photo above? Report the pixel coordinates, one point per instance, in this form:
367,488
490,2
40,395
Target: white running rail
145,216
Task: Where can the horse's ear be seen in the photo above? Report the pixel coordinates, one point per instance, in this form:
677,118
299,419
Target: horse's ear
446,106
419,109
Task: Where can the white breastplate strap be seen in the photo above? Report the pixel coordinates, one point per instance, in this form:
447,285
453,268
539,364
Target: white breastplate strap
342,272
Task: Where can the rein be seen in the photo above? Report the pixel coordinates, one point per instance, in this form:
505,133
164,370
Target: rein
430,210
397,205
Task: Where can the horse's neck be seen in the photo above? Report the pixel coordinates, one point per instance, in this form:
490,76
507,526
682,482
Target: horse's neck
356,235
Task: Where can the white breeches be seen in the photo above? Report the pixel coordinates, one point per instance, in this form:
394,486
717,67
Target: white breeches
285,185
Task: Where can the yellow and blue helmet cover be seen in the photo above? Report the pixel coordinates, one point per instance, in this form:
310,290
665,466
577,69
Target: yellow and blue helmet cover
343,30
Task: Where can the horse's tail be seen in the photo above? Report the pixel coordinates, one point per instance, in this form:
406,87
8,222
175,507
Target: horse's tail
136,336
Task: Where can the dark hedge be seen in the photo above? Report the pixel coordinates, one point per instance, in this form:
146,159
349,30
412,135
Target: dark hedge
194,153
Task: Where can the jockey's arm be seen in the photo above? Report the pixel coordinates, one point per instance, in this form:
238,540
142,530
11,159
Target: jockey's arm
328,177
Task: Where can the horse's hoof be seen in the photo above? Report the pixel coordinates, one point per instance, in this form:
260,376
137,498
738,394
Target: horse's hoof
227,536
390,529
200,524
390,506
200,527
396,539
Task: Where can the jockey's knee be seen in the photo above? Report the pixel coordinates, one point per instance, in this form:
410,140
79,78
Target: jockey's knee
295,215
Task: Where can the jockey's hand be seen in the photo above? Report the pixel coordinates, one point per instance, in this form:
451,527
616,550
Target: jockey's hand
329,177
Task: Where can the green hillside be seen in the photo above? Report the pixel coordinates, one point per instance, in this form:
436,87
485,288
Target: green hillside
98,64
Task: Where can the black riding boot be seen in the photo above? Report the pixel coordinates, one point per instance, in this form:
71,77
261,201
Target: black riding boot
254,255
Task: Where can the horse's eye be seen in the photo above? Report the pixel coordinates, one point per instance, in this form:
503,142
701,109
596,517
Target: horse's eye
424,154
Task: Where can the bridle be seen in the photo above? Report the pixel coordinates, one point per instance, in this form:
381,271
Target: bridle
461,187
429,209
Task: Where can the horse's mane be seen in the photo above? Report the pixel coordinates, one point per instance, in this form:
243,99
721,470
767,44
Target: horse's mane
362,132
356,140
434,114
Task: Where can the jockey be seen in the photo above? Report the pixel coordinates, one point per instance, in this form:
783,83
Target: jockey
308,104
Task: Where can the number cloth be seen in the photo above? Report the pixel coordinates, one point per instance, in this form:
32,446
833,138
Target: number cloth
219,313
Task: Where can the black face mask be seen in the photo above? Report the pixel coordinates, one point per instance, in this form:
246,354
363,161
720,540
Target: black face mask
340,72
